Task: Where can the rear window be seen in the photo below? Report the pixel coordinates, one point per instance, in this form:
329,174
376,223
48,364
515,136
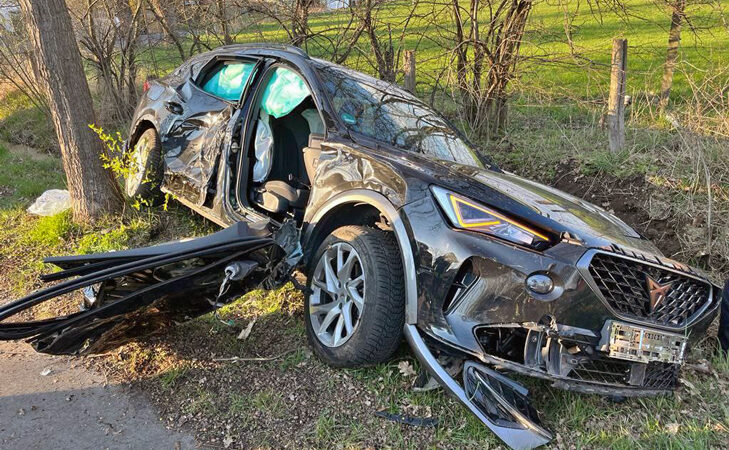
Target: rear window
227,79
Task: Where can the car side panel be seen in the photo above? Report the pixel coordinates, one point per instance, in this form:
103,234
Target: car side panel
343,167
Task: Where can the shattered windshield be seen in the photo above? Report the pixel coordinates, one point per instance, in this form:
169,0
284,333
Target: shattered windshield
386,113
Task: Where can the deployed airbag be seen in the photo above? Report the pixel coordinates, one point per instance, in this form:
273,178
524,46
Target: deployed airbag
284,92
228,82
263,145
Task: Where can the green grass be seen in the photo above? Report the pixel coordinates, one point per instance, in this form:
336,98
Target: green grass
547,68
51,231
25,175
118,237
21,122
706,47
172,377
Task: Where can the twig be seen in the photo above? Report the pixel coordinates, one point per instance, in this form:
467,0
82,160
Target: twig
260,359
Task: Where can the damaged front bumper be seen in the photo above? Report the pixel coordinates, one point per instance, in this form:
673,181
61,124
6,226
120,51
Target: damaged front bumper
500,403
599,330
615,364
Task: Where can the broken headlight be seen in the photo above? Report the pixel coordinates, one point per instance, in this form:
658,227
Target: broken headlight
470,215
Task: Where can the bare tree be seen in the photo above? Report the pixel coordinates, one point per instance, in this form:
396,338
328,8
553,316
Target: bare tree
678,8
16,64
484,43
223,21
94,192
291,15
162,18
108,31
386,50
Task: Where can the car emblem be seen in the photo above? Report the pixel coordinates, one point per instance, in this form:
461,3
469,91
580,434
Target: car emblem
656,291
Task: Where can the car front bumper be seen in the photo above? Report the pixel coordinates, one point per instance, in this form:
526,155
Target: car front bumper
473,302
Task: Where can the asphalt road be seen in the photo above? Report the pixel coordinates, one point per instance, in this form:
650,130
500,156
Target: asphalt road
54,402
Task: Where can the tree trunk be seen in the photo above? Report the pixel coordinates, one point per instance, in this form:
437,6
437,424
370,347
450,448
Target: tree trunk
503,58
94,192
300,22
674,39
223,22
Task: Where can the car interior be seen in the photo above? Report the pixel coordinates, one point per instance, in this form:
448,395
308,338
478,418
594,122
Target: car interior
284,148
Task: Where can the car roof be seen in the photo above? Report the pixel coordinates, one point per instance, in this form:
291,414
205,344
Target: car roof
261,49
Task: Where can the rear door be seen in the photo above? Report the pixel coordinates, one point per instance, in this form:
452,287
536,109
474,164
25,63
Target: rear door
127,294
199,121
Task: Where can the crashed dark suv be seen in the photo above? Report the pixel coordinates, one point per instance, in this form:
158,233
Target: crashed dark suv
401,229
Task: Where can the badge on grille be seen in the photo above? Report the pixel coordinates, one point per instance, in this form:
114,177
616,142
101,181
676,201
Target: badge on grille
656,291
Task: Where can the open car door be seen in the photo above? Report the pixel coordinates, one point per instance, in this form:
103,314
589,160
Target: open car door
133,292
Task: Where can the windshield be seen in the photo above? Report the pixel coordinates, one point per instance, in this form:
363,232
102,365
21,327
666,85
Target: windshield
390,115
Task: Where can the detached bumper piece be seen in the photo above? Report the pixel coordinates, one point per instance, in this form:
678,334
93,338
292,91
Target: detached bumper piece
130,293
500,403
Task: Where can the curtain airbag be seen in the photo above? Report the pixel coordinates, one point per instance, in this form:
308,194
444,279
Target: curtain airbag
284,92
228,82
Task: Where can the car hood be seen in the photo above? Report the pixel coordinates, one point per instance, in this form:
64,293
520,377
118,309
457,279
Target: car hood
539,205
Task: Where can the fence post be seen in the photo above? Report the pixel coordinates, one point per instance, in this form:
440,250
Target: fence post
616,100
408,65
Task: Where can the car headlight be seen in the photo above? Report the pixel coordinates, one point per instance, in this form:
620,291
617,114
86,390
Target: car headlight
470,215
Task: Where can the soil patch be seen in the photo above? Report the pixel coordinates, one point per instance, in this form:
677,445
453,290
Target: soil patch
633,199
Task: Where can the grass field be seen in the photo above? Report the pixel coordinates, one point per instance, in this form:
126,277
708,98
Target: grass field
548,69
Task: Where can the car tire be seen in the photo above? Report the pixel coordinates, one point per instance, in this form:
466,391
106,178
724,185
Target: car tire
145,177
376,329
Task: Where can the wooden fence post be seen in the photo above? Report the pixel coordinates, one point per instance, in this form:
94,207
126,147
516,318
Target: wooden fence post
616,100
408,64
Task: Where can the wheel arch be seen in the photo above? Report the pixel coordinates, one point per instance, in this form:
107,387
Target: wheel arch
140,127
364,207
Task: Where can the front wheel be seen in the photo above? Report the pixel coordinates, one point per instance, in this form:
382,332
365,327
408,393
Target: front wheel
356,309
145,172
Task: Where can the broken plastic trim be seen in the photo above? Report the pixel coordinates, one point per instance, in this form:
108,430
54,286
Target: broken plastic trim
503,400
520,432
140,290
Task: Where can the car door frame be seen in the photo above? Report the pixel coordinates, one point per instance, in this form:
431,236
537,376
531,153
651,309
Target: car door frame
193,81
173,281
250,109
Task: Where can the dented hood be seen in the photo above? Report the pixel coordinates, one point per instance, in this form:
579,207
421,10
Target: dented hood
541,206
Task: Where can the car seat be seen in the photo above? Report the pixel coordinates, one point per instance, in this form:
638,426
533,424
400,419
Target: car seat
280,170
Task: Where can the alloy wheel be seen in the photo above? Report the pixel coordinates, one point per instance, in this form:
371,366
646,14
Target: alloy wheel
138,163
337,299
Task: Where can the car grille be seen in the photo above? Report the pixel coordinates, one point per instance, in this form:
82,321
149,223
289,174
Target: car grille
624,284
658,375
602,371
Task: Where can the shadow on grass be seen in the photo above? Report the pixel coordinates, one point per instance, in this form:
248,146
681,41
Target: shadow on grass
21,122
